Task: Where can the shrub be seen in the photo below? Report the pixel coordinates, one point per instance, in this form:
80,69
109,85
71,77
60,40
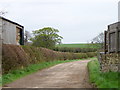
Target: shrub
75,50
15,56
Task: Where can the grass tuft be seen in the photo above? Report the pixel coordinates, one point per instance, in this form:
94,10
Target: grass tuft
102,79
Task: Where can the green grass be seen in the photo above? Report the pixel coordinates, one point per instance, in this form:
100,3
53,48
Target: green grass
100,79
79,45
16,74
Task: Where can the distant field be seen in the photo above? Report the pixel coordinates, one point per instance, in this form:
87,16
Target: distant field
79,45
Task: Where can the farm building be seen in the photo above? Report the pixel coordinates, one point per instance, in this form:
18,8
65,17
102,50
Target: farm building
11,32
112,38
110,60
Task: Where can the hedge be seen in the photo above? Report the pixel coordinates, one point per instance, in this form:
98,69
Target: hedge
17,57
75,50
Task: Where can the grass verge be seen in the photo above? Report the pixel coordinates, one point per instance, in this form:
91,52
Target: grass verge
102,79
16,74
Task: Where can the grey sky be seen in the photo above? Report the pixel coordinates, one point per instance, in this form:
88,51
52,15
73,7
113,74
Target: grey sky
77,20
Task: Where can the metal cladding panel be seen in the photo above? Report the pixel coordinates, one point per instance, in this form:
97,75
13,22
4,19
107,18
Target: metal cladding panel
9,33
0,45
119,11
0,31
113,36
119,41
0,25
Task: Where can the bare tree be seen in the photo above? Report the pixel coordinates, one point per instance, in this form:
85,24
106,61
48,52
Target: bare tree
2,13
99,39
27,37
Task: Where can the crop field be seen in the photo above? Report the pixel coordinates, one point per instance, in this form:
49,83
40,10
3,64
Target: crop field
79,45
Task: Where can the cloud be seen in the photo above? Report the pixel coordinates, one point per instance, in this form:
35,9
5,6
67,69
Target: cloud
75,19
59,1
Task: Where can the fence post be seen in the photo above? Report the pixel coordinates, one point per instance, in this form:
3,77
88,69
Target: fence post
117,40
108,39
105,42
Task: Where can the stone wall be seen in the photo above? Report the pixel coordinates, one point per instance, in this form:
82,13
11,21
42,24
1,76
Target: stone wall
110,62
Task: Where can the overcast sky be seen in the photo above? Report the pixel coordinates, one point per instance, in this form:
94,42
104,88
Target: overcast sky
77,20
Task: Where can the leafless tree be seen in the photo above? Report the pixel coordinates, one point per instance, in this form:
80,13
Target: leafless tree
27,37
2,13
99,39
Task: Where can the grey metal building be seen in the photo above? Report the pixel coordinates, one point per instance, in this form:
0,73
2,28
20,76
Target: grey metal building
112,38
11,32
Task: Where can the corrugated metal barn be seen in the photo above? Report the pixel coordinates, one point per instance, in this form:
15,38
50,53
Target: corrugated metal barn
11,32
112,38
110,60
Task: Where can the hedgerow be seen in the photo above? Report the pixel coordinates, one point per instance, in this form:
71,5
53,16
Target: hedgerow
17,57
75,49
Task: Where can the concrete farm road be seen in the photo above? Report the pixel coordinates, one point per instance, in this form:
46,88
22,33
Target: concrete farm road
65,75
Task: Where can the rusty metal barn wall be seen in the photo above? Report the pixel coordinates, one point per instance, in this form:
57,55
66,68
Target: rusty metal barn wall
9,33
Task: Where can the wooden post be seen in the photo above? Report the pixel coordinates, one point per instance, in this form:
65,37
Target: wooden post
117,40
118,37
105,42
108,39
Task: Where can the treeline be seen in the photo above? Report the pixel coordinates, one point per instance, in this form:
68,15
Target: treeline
75,50
16,57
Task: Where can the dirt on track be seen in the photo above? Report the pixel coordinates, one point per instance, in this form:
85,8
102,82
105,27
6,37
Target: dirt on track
65,75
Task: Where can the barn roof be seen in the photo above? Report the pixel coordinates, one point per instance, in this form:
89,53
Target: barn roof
118,23
11,21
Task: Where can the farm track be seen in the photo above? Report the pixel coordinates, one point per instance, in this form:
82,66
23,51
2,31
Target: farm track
65,75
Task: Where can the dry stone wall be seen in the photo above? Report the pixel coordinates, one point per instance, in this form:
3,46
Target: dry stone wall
110,62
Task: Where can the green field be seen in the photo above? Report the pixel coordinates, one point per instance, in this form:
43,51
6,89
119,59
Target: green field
79,45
